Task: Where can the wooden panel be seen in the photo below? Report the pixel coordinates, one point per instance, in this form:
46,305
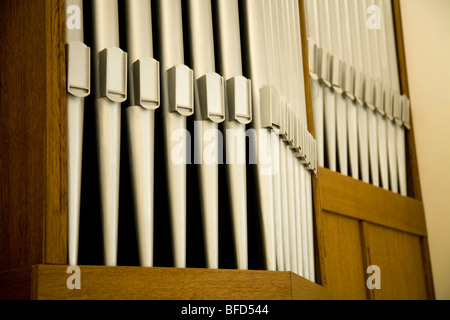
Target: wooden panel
16,284
345,267
56,128
110,283
303,289
428,271
22,133
359,200
32,206
47,282
233,284
162,283
399,256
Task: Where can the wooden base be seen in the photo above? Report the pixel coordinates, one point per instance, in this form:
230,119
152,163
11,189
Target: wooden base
49,282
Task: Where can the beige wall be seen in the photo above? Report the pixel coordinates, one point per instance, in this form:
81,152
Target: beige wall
426,26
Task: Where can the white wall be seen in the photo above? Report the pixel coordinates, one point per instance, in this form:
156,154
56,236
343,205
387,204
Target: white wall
426,25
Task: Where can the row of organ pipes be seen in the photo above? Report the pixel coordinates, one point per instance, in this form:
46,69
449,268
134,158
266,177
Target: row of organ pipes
223,80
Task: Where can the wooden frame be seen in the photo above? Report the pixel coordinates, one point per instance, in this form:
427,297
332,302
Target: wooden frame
370,204
33,246
33,135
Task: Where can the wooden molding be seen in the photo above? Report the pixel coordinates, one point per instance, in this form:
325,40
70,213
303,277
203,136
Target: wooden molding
306,78
356,199
49,282
55,236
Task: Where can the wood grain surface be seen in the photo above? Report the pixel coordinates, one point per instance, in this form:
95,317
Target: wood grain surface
16,284
345,265
399,257
135,283
319,248
32,136
304,40
356,199
22,133
303,289
55,241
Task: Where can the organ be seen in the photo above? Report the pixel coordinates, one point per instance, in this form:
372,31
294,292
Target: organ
142,74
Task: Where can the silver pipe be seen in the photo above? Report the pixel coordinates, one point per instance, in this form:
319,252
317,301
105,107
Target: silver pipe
374,55
291,75
395,84
256,56
291,167
170,29
329,94
272,79
362,111
341,105
141,122
317,94
75,119
360,11
203,63
284,148
352,106
230,66
110,84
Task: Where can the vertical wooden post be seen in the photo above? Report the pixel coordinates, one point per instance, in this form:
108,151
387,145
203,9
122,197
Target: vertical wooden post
55,241
33,210
319,247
